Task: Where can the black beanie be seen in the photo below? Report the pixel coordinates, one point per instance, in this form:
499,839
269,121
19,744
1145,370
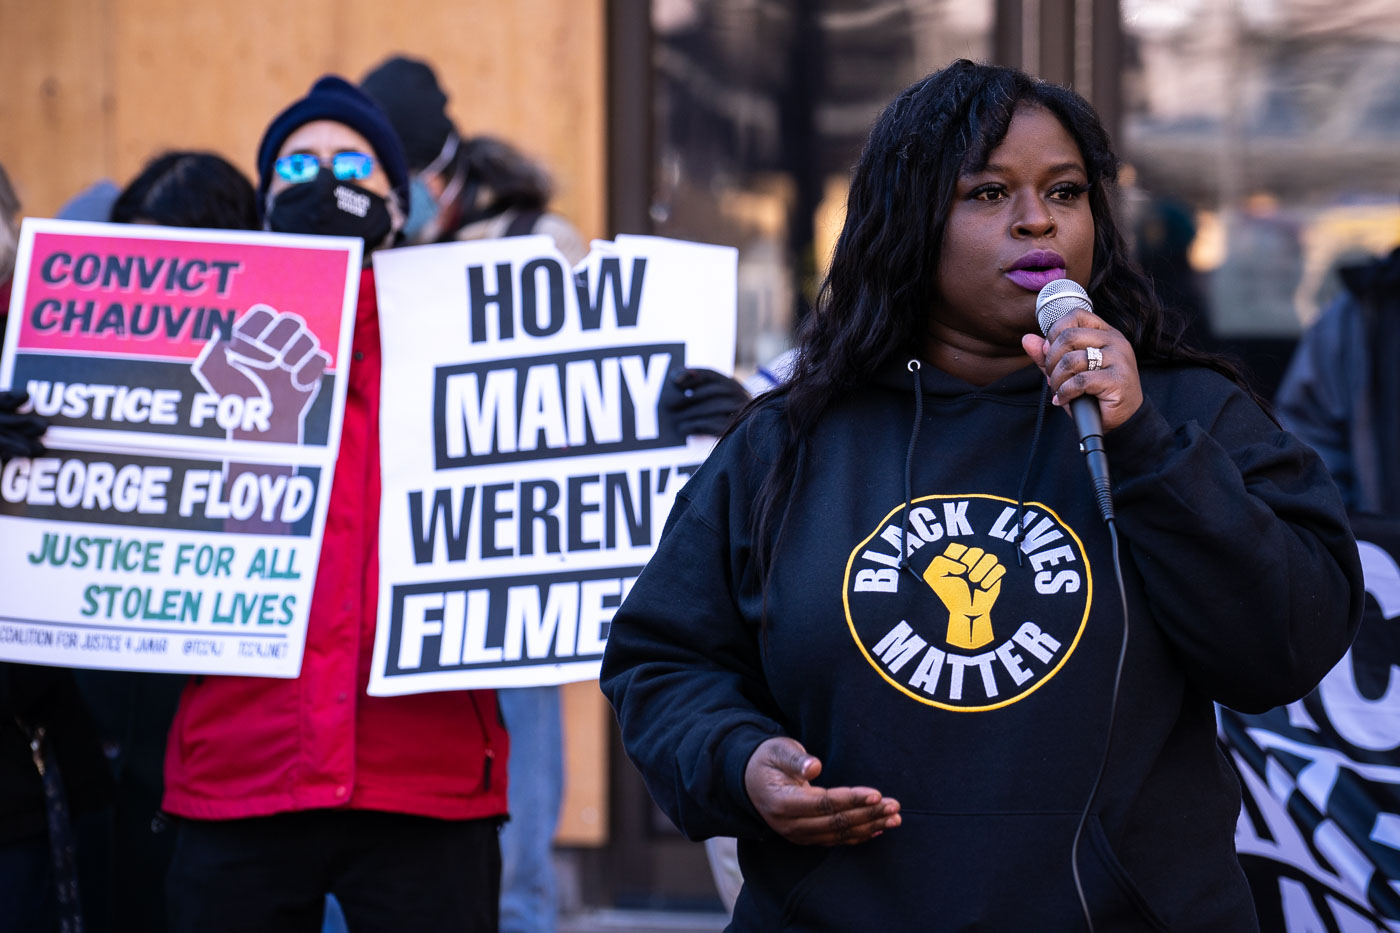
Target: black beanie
334,98
407,91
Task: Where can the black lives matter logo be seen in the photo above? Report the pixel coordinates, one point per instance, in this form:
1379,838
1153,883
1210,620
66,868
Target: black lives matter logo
963,627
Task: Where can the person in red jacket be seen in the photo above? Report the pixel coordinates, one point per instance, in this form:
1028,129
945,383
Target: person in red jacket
289,790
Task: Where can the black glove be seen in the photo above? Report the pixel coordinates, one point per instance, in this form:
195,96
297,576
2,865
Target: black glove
19,434
702,401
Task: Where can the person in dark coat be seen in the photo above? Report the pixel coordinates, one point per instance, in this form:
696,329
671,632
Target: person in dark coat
1341,393
54,782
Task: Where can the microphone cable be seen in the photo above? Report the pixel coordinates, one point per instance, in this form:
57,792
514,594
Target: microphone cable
1054,301
1112,711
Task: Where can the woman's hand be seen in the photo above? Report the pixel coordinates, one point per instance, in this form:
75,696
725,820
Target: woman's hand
1065,358
779,781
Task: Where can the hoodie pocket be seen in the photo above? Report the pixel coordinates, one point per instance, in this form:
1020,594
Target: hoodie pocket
970,872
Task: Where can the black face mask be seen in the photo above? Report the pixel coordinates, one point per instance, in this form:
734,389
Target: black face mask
330,207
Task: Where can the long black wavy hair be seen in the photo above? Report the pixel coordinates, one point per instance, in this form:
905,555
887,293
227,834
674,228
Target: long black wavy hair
873,308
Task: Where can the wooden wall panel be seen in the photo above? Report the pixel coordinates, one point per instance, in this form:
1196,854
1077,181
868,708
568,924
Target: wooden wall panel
530,71
55,97
208,75
585,818
94,88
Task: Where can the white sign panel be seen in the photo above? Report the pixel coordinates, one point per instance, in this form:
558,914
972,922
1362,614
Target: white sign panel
528,463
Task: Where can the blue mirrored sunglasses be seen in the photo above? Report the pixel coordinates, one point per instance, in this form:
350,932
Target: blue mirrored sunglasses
303,166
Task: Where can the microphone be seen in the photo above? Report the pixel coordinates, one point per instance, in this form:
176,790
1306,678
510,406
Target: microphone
1055,300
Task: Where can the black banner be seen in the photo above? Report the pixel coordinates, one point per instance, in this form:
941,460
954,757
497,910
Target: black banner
1319,836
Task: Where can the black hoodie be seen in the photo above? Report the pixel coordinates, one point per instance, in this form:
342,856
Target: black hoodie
1341,393
983,707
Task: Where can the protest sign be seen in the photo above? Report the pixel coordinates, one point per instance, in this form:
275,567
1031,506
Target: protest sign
129,335
1319,833
528,466
192,383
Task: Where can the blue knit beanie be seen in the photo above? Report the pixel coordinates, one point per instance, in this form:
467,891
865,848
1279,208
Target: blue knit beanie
334,98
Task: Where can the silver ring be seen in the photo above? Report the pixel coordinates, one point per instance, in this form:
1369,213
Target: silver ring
1095,358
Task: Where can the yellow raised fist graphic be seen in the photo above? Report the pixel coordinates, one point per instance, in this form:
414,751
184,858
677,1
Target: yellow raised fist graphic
968,580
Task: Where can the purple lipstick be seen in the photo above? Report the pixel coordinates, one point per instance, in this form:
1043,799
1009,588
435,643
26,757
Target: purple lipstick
1036,269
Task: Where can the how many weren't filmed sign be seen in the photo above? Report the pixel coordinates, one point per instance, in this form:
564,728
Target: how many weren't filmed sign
528,464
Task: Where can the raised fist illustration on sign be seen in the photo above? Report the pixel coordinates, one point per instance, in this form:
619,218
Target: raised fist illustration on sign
968,580
260,383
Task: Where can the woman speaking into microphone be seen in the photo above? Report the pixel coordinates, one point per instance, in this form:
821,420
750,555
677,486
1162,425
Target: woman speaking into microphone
888,639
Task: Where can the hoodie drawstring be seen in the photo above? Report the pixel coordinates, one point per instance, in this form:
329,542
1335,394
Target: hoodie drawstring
914,367
1026,473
